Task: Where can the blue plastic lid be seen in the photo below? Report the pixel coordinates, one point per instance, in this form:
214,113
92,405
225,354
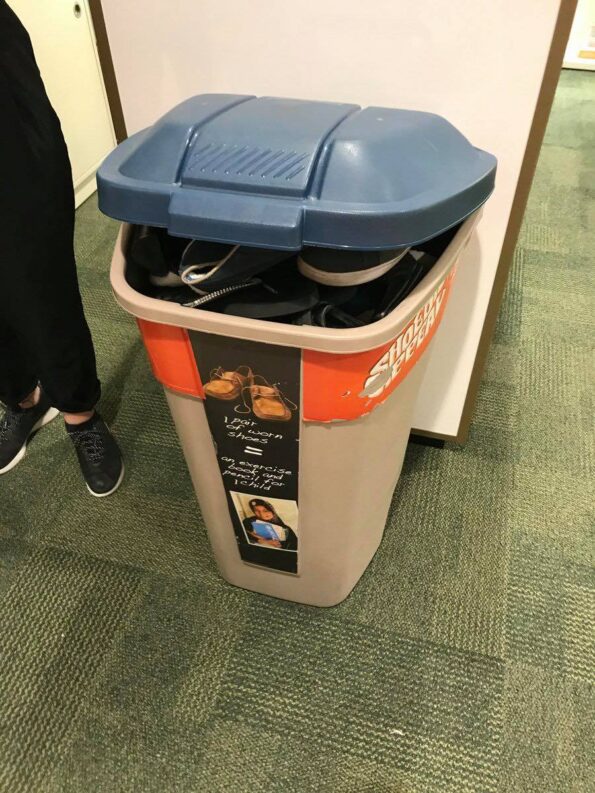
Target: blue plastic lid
284,173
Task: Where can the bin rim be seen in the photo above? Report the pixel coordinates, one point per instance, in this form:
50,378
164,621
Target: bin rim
328,340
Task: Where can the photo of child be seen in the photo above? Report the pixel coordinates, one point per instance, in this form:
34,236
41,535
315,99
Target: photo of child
263,523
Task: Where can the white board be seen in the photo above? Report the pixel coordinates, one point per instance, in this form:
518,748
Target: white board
478,64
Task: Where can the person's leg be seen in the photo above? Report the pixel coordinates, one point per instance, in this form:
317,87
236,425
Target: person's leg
39,294
27,409
47,312
18,379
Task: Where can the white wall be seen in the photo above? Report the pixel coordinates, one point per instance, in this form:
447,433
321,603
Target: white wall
64,45
478,64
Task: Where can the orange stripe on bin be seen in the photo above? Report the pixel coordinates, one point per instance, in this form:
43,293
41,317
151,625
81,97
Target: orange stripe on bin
345,387
171,356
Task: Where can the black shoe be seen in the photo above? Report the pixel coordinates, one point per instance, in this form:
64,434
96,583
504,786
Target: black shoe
98,454
235,264
17,426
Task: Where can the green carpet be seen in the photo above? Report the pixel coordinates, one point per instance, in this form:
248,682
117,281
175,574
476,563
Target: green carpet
461,662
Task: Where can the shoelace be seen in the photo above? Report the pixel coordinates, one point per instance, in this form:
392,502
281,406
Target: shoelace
195,274
91,444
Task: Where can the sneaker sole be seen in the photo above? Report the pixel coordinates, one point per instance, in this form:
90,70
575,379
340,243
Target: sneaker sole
350,278
114,488
50,415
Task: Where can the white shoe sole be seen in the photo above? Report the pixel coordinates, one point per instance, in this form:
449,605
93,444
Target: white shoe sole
114,488
351,278
50,415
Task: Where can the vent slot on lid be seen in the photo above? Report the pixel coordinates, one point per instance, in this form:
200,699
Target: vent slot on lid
251,161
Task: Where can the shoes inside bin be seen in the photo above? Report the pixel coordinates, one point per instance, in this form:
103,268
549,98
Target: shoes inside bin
322,287
346,267
235,266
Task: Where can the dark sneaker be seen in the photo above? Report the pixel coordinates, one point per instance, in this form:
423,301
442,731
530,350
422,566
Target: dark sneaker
98,454
17,426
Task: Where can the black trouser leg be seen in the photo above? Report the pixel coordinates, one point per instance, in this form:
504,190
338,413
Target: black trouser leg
41,310
18,377
45,321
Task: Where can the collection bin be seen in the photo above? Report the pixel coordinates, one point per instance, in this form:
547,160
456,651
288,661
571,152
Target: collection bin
296,459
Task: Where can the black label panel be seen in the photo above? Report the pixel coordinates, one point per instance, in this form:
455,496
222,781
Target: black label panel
252,397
